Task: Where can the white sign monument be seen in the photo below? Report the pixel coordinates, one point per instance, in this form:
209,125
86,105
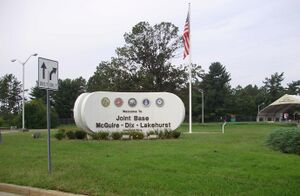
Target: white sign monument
116,111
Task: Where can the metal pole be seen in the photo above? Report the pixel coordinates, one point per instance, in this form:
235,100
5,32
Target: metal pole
190,74
48,127
23,99
202,107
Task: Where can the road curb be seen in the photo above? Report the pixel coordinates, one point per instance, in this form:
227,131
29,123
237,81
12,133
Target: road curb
30,191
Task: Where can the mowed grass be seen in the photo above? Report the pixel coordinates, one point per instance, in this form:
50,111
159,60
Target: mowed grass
203,163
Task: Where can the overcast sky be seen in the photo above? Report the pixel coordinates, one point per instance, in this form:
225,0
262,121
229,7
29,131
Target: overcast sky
252,38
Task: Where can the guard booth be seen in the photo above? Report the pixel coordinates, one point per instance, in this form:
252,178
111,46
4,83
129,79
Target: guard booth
277,111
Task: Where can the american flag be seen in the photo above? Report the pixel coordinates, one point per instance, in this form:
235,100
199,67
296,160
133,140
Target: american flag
186,36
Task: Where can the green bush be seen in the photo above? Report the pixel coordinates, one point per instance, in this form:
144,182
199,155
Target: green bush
1,122
176,134
35,115
70,135
137,135
59,135
116,135
286,140
102,135
151,133
79,134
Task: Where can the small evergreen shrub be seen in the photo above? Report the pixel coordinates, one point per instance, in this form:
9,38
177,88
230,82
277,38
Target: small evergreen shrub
286,140
116,135
137,135
59,135
176,134
151,133
102,135
70,135
79,134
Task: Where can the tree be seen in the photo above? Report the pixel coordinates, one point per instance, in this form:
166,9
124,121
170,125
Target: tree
110,76
294,87
216,86
144,62
147,53
65,97
273,87
10,100
36,115
245,102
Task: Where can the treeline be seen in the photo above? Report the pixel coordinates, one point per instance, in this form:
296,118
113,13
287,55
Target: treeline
144,64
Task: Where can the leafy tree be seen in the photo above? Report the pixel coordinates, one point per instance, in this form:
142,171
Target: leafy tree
110,76
246,101
10,99
38,93
273,87
65,97
36,115
144,62
217,91
63,100
294,87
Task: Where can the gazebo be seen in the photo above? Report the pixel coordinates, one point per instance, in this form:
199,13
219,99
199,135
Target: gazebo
275,110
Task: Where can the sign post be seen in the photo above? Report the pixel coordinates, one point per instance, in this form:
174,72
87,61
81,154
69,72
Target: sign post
48,79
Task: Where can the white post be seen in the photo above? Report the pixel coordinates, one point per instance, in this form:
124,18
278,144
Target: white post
190,74
223,127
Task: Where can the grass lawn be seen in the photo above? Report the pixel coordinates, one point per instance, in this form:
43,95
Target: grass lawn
203,163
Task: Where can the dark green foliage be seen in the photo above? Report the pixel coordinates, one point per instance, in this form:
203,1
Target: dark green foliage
10,100
60,134
36,115
176,134
286,140
102,135
216,87
144,62
151,133
116,135
70,135
79,134
273,87
136,135
1,122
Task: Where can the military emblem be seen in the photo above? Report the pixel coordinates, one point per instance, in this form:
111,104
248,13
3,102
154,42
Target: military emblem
159,102
118,102
132,102
146,102
105,102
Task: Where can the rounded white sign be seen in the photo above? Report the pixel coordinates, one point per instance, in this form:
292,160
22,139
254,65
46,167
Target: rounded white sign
116,111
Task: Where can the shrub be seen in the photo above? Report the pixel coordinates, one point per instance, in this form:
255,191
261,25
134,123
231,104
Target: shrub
116,135
36,135
1,121
137,135
102,135
151,133
176,134
286,140
79,134
59,135
70,135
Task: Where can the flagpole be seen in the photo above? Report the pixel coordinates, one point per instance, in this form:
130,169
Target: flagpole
190,74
